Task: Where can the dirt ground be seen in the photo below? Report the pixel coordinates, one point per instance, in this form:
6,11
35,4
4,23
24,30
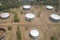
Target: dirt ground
46,27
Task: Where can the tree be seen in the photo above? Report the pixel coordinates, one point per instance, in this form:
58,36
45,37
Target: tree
9,4
56,5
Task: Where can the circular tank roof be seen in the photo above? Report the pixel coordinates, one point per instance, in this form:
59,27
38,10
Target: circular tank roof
34,33
4,15
49,7
55,16
30,15
27,6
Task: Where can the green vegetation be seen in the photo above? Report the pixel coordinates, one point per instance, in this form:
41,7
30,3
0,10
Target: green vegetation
47,2
16,19
18,33
6,4
55,3
1,8
9,28
53,38
57,6
38,2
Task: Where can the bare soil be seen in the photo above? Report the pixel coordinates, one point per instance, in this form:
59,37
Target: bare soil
46,27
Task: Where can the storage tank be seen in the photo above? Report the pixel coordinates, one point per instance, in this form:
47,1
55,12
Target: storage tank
55,17
26,7
29,16
34,34
49,7
4,15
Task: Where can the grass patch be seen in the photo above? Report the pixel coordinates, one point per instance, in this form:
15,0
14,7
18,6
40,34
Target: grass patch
18,33
16,19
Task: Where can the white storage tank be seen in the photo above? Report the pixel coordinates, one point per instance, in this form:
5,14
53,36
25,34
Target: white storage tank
55,17
29,16
26,7
49,7
34,34
4,15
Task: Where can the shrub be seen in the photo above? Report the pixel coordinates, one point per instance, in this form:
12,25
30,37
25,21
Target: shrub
16,19
9,27
53,38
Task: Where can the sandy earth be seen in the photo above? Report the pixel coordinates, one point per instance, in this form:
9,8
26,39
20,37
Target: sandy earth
46,27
